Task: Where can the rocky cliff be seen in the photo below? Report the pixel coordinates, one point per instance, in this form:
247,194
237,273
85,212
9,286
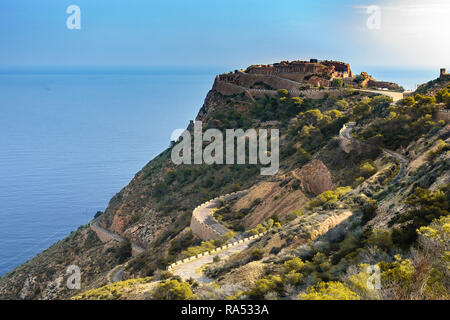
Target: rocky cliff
334,206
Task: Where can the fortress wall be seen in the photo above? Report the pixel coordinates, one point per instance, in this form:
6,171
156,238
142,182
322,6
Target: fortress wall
247,80
298,77
383,84
226,88
261,93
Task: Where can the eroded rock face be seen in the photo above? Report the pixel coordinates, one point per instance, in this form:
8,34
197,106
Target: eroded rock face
271,199
314,177
212,102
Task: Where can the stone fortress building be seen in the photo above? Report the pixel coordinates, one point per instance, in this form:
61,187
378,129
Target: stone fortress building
444,75
298,77
313,72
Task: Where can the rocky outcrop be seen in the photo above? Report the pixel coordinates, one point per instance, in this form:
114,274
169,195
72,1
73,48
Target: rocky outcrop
211,103
314,177
269,198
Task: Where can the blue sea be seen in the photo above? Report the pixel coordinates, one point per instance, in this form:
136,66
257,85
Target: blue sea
71,139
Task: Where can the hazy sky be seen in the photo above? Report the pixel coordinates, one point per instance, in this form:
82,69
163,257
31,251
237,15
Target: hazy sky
231,33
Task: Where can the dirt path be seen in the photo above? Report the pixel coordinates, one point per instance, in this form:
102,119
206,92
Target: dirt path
402,161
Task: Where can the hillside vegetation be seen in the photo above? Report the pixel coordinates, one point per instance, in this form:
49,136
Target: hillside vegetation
338,215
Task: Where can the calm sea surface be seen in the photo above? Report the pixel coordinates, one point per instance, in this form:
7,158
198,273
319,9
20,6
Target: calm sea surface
69,142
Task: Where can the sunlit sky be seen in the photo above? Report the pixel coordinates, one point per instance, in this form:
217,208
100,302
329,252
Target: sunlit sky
231,33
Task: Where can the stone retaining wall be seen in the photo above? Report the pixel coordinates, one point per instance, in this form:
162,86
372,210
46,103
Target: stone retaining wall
198,224
106,235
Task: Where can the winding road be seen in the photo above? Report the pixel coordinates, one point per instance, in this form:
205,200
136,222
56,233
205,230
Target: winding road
105,235
193,268
117,276
396,96
346,133
204,214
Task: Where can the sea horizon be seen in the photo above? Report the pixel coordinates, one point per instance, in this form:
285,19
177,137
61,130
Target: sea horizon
407,77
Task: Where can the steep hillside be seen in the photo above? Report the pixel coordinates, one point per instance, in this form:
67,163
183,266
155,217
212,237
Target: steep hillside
341,200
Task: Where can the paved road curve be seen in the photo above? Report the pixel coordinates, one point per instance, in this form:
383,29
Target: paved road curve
396,96
204,214
192,269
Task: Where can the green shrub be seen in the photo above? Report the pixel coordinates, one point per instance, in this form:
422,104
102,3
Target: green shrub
381,239
172,290
328,196
123,252
293,265
337,83
358,181
263,286
329,291
342,105
112,291
441,147
257,254
98,214
427,205
367,169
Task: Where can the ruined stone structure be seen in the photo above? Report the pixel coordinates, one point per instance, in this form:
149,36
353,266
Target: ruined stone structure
444,75
288,67
335,69
340,69
313,72
305,79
